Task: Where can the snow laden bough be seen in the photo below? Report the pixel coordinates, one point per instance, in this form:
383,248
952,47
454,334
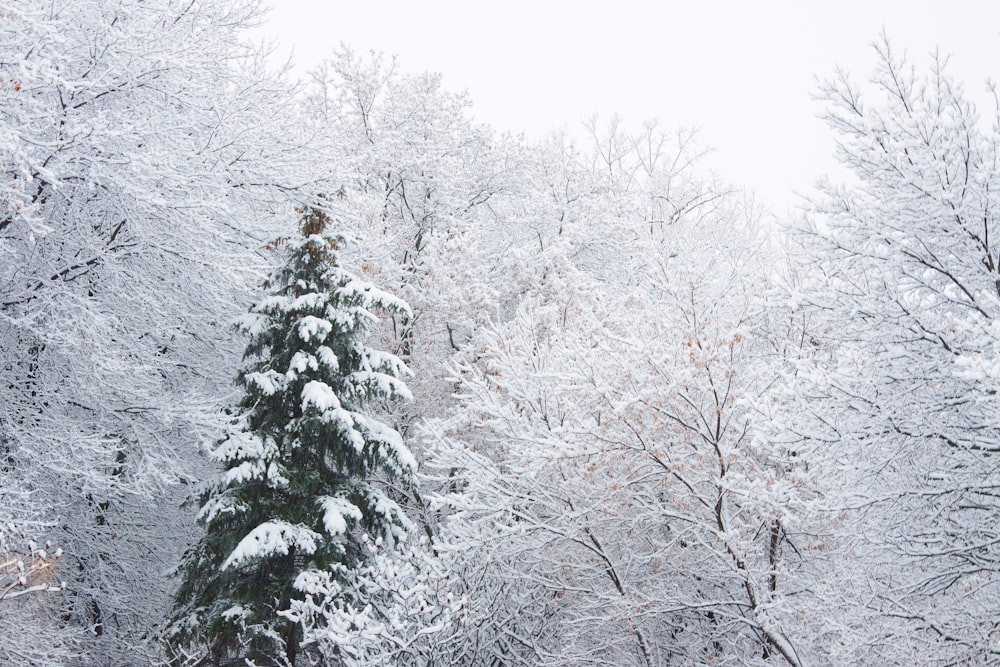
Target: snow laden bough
296,501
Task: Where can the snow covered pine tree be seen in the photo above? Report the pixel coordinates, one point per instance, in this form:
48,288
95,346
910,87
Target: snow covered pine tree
296,499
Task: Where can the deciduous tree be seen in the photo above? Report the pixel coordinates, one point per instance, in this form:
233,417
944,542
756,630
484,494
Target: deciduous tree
895,414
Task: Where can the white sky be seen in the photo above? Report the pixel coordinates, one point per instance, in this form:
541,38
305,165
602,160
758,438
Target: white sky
742,71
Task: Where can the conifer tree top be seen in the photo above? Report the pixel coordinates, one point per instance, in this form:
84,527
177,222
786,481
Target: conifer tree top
298,493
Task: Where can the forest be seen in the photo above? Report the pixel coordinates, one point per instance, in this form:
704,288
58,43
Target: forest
328,373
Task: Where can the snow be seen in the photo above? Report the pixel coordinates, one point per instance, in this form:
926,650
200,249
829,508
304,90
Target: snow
369,295
272,471
270,538
216,506
349,318
243,445
269,382
311,327
384,385
336,511
379,360
252,323
246,470
389,437
299,363
314,582
319,395
309,301
328,358
271,303
398,524
236,611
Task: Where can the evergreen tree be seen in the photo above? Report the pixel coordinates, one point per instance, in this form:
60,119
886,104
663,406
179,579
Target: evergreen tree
297,497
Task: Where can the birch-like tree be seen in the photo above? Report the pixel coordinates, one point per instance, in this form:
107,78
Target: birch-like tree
600,460
425,190
894,414
140,162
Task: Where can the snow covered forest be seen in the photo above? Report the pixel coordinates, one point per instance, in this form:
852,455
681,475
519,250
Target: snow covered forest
329,373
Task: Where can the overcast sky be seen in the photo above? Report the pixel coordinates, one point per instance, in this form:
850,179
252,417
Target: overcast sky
742,71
